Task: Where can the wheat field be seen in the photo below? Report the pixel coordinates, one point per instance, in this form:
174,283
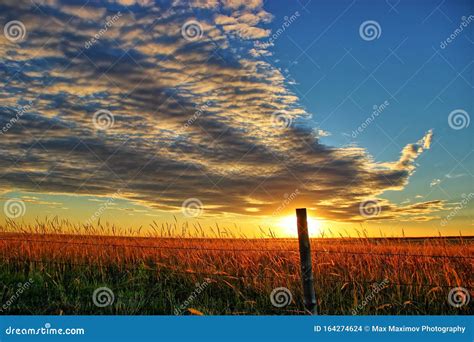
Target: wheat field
175,270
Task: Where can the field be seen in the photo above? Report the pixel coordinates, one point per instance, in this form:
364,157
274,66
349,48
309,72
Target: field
43,270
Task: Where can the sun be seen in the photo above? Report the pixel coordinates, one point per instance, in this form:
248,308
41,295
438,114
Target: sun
287,225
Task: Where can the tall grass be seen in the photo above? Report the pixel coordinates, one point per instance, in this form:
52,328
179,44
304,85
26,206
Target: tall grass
155,274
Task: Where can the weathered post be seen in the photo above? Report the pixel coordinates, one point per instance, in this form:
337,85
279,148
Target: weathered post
306,262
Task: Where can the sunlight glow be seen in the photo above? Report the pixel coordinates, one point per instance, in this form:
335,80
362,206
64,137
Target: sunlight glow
287,225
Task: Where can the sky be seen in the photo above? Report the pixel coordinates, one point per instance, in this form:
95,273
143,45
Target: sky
237,112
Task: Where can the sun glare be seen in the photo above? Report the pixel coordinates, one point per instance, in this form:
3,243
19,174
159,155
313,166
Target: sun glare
287,225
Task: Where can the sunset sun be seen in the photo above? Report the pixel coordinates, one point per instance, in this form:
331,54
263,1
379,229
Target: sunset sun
244,170
287,225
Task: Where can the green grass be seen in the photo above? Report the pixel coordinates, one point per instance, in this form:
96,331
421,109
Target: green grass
68,290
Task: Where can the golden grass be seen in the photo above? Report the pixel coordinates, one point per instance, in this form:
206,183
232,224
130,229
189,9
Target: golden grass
419,272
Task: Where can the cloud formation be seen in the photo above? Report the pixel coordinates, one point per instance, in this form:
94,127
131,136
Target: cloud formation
199,116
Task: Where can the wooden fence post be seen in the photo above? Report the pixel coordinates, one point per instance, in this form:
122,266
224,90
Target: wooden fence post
306,261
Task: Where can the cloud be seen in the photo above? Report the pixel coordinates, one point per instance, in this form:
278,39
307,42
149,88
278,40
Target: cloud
192,118
244,24
427,140
85,13
451,176
318,132
411,151
36,200
238,4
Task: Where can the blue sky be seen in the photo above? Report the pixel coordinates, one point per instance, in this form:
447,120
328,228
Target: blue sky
338,61
333,68
239,111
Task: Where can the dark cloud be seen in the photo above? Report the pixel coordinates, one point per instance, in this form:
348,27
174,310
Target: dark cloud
191,118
